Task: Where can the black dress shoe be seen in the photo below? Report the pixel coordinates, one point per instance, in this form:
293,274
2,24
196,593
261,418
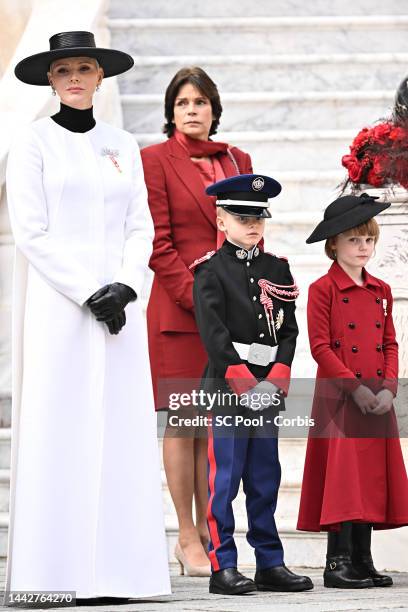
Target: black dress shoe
230,582
340,574
364,567
280,578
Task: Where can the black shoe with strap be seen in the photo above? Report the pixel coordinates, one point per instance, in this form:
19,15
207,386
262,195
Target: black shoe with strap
339,572
230,582
280,578
361,555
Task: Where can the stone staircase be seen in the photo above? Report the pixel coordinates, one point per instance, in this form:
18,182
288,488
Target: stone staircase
296,84
296,81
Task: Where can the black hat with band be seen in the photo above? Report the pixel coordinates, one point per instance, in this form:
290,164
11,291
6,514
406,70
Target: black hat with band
345,213
33,69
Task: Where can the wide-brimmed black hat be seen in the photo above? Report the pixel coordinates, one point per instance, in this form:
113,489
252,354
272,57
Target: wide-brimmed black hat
345,213
33,69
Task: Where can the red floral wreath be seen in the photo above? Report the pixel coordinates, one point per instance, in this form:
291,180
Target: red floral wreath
379,155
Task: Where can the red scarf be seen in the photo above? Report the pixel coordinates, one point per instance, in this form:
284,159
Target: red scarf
205,148
200,148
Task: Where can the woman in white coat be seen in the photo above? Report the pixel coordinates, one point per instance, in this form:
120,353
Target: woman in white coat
86,508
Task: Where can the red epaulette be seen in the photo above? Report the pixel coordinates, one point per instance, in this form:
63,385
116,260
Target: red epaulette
195,263
278,256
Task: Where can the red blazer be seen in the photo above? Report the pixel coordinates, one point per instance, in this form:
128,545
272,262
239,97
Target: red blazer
185,227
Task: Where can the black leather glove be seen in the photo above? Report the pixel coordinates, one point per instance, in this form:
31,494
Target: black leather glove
116,324
110,300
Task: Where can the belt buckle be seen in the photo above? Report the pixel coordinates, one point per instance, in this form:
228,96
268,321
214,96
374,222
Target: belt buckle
259,354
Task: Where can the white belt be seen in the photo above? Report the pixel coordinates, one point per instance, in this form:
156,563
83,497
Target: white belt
258,354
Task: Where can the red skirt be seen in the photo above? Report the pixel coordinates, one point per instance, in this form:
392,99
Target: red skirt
174,356
353,479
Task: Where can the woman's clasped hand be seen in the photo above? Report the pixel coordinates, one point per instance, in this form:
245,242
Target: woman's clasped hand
108,305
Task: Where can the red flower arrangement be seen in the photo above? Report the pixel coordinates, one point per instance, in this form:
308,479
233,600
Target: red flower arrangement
379,156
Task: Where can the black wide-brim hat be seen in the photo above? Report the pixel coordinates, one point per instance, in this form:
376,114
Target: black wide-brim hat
345,213
33,69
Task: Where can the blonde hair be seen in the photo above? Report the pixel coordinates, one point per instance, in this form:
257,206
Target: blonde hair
86,56
369,228
221,212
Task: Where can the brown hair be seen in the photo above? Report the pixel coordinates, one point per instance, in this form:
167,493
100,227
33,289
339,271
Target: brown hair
199,79
369,228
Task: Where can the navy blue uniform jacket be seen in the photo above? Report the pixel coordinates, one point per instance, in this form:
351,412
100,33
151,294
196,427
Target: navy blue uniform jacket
230,307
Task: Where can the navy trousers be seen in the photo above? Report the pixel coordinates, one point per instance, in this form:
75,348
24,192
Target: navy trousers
249,454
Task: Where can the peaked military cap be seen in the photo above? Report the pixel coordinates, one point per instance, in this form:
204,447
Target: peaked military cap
245,195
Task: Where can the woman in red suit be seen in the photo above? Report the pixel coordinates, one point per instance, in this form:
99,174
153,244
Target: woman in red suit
177,172
354,477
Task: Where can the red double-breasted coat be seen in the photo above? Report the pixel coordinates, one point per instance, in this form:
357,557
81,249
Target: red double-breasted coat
352,339
185,228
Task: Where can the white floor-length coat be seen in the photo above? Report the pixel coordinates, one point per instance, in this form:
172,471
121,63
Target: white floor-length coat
86,508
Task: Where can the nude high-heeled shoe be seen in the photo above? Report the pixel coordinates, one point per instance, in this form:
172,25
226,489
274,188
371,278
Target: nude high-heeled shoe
186,569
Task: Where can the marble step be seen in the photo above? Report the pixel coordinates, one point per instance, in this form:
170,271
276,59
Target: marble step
5,445
259,35
4,523
231,8
302,549
5,408
283,150
278,72
305,549
291,454
271,110
288,232
308,191
4,490
286,511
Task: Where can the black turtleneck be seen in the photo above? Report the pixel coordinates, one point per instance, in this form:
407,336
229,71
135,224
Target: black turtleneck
75,120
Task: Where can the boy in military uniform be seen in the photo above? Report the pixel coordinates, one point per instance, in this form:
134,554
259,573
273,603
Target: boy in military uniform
245,310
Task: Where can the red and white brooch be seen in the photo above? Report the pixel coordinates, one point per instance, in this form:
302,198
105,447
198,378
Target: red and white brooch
112,154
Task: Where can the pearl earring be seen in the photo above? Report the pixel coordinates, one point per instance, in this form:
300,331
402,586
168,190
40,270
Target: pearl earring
98,87
54,93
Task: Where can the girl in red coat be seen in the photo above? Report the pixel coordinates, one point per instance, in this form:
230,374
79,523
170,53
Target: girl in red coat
354,477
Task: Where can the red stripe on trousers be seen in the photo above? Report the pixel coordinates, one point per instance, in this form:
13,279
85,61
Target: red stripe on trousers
212,523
